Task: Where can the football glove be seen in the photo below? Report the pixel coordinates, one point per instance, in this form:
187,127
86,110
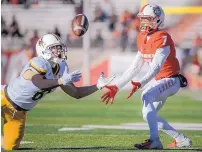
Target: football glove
72,77
136,86
110,94
102,82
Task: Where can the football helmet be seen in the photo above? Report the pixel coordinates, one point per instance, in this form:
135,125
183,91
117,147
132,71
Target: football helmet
151,18
51,48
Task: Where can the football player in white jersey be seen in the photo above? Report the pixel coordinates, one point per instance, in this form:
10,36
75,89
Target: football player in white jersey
42,75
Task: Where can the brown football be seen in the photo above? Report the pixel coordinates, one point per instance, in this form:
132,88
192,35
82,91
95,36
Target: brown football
80,24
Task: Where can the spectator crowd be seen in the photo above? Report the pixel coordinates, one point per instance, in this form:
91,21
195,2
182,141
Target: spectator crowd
122,31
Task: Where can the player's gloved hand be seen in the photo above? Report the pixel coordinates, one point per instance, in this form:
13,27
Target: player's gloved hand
136,86
102,82
72,77
110,94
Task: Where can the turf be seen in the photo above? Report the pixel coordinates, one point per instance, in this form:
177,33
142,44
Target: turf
59,110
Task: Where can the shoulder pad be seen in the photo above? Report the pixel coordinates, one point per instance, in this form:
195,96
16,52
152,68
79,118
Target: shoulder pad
161,33
64,66
161,39
39,64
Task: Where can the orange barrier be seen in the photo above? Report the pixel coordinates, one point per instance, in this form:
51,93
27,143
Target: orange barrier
95,72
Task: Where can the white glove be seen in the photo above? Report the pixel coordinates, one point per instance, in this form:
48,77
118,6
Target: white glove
72,77
104,81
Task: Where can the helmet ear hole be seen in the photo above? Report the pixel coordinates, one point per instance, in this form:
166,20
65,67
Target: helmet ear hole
158,21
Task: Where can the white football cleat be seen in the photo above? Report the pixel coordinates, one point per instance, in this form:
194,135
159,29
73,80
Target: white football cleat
149,144
185,142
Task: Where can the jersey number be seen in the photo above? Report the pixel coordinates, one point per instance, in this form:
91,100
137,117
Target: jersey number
40,94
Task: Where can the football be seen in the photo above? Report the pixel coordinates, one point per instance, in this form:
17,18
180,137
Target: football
80,24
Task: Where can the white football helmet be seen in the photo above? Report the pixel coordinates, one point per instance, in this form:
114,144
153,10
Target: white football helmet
151,18
51,48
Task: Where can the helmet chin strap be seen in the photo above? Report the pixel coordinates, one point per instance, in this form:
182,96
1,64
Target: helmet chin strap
147,29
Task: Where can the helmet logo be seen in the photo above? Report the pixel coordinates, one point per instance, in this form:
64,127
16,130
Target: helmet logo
157,11
41,43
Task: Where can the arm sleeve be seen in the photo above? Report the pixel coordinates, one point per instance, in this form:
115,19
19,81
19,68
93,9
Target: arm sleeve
38,65
131,72
157,62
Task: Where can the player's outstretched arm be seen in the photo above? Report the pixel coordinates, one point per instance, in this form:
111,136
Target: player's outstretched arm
157,62
41,82
155,67
131,72
80,92
128,75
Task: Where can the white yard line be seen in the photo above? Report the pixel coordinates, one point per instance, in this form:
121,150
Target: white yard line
26,142
72,129
135,126
126,126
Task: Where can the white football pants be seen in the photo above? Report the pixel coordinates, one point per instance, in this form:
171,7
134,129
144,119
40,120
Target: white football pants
153,98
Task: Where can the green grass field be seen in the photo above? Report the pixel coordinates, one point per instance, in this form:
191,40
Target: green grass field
59,110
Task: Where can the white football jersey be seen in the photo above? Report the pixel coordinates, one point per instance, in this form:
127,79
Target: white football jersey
23,92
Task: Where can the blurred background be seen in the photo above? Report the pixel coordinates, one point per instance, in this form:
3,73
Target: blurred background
110,43
60,122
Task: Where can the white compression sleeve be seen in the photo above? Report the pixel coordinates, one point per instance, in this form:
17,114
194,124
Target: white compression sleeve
131,72
157,62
